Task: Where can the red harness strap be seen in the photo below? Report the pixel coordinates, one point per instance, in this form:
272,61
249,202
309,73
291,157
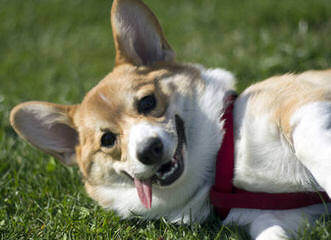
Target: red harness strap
224,195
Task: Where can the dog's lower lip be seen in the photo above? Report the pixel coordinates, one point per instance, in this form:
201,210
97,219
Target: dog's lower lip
171,176
128,175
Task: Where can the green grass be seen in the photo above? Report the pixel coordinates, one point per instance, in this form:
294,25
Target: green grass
56,50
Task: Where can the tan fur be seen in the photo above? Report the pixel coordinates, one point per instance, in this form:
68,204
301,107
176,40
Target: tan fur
281,96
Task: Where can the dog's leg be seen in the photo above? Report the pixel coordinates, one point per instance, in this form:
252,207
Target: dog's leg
267,226
312,140
284,224
276,224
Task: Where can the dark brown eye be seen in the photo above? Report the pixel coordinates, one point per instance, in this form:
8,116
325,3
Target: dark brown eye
146,104
108,139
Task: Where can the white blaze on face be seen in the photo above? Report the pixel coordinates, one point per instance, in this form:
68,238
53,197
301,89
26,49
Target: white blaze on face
142,173
140,132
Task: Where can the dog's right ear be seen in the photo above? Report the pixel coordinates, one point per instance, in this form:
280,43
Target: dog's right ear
138,36
48,127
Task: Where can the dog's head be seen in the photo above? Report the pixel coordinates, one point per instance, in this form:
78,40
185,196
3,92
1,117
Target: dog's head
136,135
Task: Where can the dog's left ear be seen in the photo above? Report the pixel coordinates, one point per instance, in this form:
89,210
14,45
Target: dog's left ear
138,36
48,127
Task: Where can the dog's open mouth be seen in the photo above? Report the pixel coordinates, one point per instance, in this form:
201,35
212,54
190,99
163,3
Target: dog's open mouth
168,173
172,170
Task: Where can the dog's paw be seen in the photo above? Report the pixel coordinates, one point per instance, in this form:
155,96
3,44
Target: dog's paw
268,226
272,233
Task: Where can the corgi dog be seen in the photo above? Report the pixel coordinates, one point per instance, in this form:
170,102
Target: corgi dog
146,137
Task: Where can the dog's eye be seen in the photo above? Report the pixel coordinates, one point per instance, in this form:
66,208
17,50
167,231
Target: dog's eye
108,139
146,104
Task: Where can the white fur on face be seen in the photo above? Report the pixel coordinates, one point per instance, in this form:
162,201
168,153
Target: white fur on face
144,130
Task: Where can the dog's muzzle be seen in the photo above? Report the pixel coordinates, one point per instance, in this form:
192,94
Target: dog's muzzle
151,152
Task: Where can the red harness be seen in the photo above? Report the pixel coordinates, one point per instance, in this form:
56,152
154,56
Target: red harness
224,195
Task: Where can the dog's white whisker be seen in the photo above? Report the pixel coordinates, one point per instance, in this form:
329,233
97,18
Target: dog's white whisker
104,98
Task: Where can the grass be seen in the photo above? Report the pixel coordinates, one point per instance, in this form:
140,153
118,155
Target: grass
56,50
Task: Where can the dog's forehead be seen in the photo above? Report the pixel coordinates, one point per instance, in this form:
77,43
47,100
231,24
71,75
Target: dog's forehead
114,97
123,85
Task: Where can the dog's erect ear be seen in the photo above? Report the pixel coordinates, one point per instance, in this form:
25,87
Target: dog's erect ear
48,127
138,36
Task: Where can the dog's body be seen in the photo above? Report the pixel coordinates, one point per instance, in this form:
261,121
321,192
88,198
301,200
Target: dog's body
153,127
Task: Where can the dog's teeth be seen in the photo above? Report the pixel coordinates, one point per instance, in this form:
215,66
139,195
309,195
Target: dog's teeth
164,176
172,170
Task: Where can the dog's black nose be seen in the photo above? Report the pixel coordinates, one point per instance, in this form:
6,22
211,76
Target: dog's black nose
150,151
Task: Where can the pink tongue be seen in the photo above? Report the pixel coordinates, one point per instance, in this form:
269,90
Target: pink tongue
144,190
